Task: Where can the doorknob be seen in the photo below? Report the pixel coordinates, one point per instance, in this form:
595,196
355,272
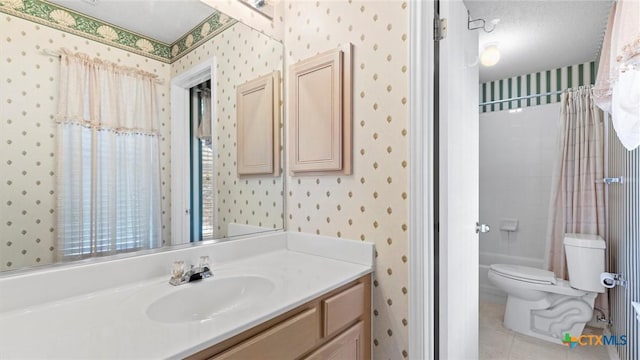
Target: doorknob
482,228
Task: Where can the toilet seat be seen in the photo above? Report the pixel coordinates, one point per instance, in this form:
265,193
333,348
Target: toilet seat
534,279
525,273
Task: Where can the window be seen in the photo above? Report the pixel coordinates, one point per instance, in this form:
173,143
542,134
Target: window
108,160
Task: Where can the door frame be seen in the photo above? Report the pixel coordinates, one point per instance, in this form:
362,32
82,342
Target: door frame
180,148
421,201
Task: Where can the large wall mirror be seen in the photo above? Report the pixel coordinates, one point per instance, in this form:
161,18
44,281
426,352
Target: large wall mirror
162,39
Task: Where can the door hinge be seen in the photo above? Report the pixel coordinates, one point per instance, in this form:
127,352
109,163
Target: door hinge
439,29
482,228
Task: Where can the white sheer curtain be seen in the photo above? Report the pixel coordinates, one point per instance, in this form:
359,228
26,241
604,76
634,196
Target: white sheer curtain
618,83
204,129
108,159
577,190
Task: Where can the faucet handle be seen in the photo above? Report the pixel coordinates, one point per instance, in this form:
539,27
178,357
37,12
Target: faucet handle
177,270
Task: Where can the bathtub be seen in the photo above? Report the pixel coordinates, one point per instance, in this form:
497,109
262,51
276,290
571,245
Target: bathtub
490,293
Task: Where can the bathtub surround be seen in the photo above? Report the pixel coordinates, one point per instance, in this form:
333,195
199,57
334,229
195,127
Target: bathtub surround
516,156
624,242
300,267
533,85
28,152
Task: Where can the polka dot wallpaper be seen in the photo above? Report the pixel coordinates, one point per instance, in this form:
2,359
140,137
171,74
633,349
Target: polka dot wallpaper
372,204
242,54
28,104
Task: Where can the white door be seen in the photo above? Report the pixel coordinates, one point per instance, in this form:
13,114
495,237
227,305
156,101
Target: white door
459,197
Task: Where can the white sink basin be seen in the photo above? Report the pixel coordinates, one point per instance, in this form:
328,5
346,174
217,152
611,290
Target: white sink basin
203,300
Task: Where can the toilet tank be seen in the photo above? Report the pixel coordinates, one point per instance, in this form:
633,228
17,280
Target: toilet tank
585,260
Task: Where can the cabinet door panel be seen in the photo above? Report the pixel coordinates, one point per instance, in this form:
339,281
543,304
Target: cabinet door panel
317,113
320,114
347,346
341,309
258,132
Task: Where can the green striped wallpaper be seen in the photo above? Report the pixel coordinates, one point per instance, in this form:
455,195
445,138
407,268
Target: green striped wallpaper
537,83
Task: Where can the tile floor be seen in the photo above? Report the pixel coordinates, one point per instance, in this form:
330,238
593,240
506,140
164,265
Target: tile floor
500,343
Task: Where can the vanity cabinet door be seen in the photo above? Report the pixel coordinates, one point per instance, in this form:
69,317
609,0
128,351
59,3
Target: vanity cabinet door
287,340
342,309
347,346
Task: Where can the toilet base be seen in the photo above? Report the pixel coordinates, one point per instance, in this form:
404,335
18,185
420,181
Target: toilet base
549,318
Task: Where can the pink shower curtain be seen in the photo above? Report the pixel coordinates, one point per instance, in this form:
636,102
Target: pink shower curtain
577,194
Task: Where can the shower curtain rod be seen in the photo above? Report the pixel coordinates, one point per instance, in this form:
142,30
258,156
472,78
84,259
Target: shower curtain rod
521,98
57,54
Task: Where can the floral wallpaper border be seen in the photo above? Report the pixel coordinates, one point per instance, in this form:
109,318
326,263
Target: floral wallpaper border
73,22
210,27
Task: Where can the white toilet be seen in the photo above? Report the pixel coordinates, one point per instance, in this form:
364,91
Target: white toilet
542,306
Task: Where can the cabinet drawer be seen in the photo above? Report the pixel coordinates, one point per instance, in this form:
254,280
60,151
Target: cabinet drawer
342,309
287,340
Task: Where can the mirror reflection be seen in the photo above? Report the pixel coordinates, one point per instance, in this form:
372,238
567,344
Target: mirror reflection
88,130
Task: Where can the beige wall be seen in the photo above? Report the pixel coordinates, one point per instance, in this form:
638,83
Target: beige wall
242,54
28,103
372,204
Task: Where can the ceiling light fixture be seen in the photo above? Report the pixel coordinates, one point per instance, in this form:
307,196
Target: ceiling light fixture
490,55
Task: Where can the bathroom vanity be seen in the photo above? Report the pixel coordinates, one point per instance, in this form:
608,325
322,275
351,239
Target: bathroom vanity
281,295
335,324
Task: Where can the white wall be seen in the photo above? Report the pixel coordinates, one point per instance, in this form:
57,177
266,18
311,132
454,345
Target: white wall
517,151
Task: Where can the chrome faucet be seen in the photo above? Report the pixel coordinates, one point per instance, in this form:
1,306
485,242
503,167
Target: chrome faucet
179,276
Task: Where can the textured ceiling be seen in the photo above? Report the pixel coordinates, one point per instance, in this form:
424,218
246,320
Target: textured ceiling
540,35
162,20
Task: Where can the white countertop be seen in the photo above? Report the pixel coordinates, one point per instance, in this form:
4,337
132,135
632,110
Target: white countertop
112,323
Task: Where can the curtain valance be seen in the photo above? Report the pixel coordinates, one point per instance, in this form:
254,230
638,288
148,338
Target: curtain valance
92,92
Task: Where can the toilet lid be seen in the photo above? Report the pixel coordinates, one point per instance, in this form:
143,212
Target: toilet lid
525,273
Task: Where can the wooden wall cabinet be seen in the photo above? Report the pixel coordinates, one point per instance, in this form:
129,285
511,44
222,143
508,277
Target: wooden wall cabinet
258,121
320,114
336,325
